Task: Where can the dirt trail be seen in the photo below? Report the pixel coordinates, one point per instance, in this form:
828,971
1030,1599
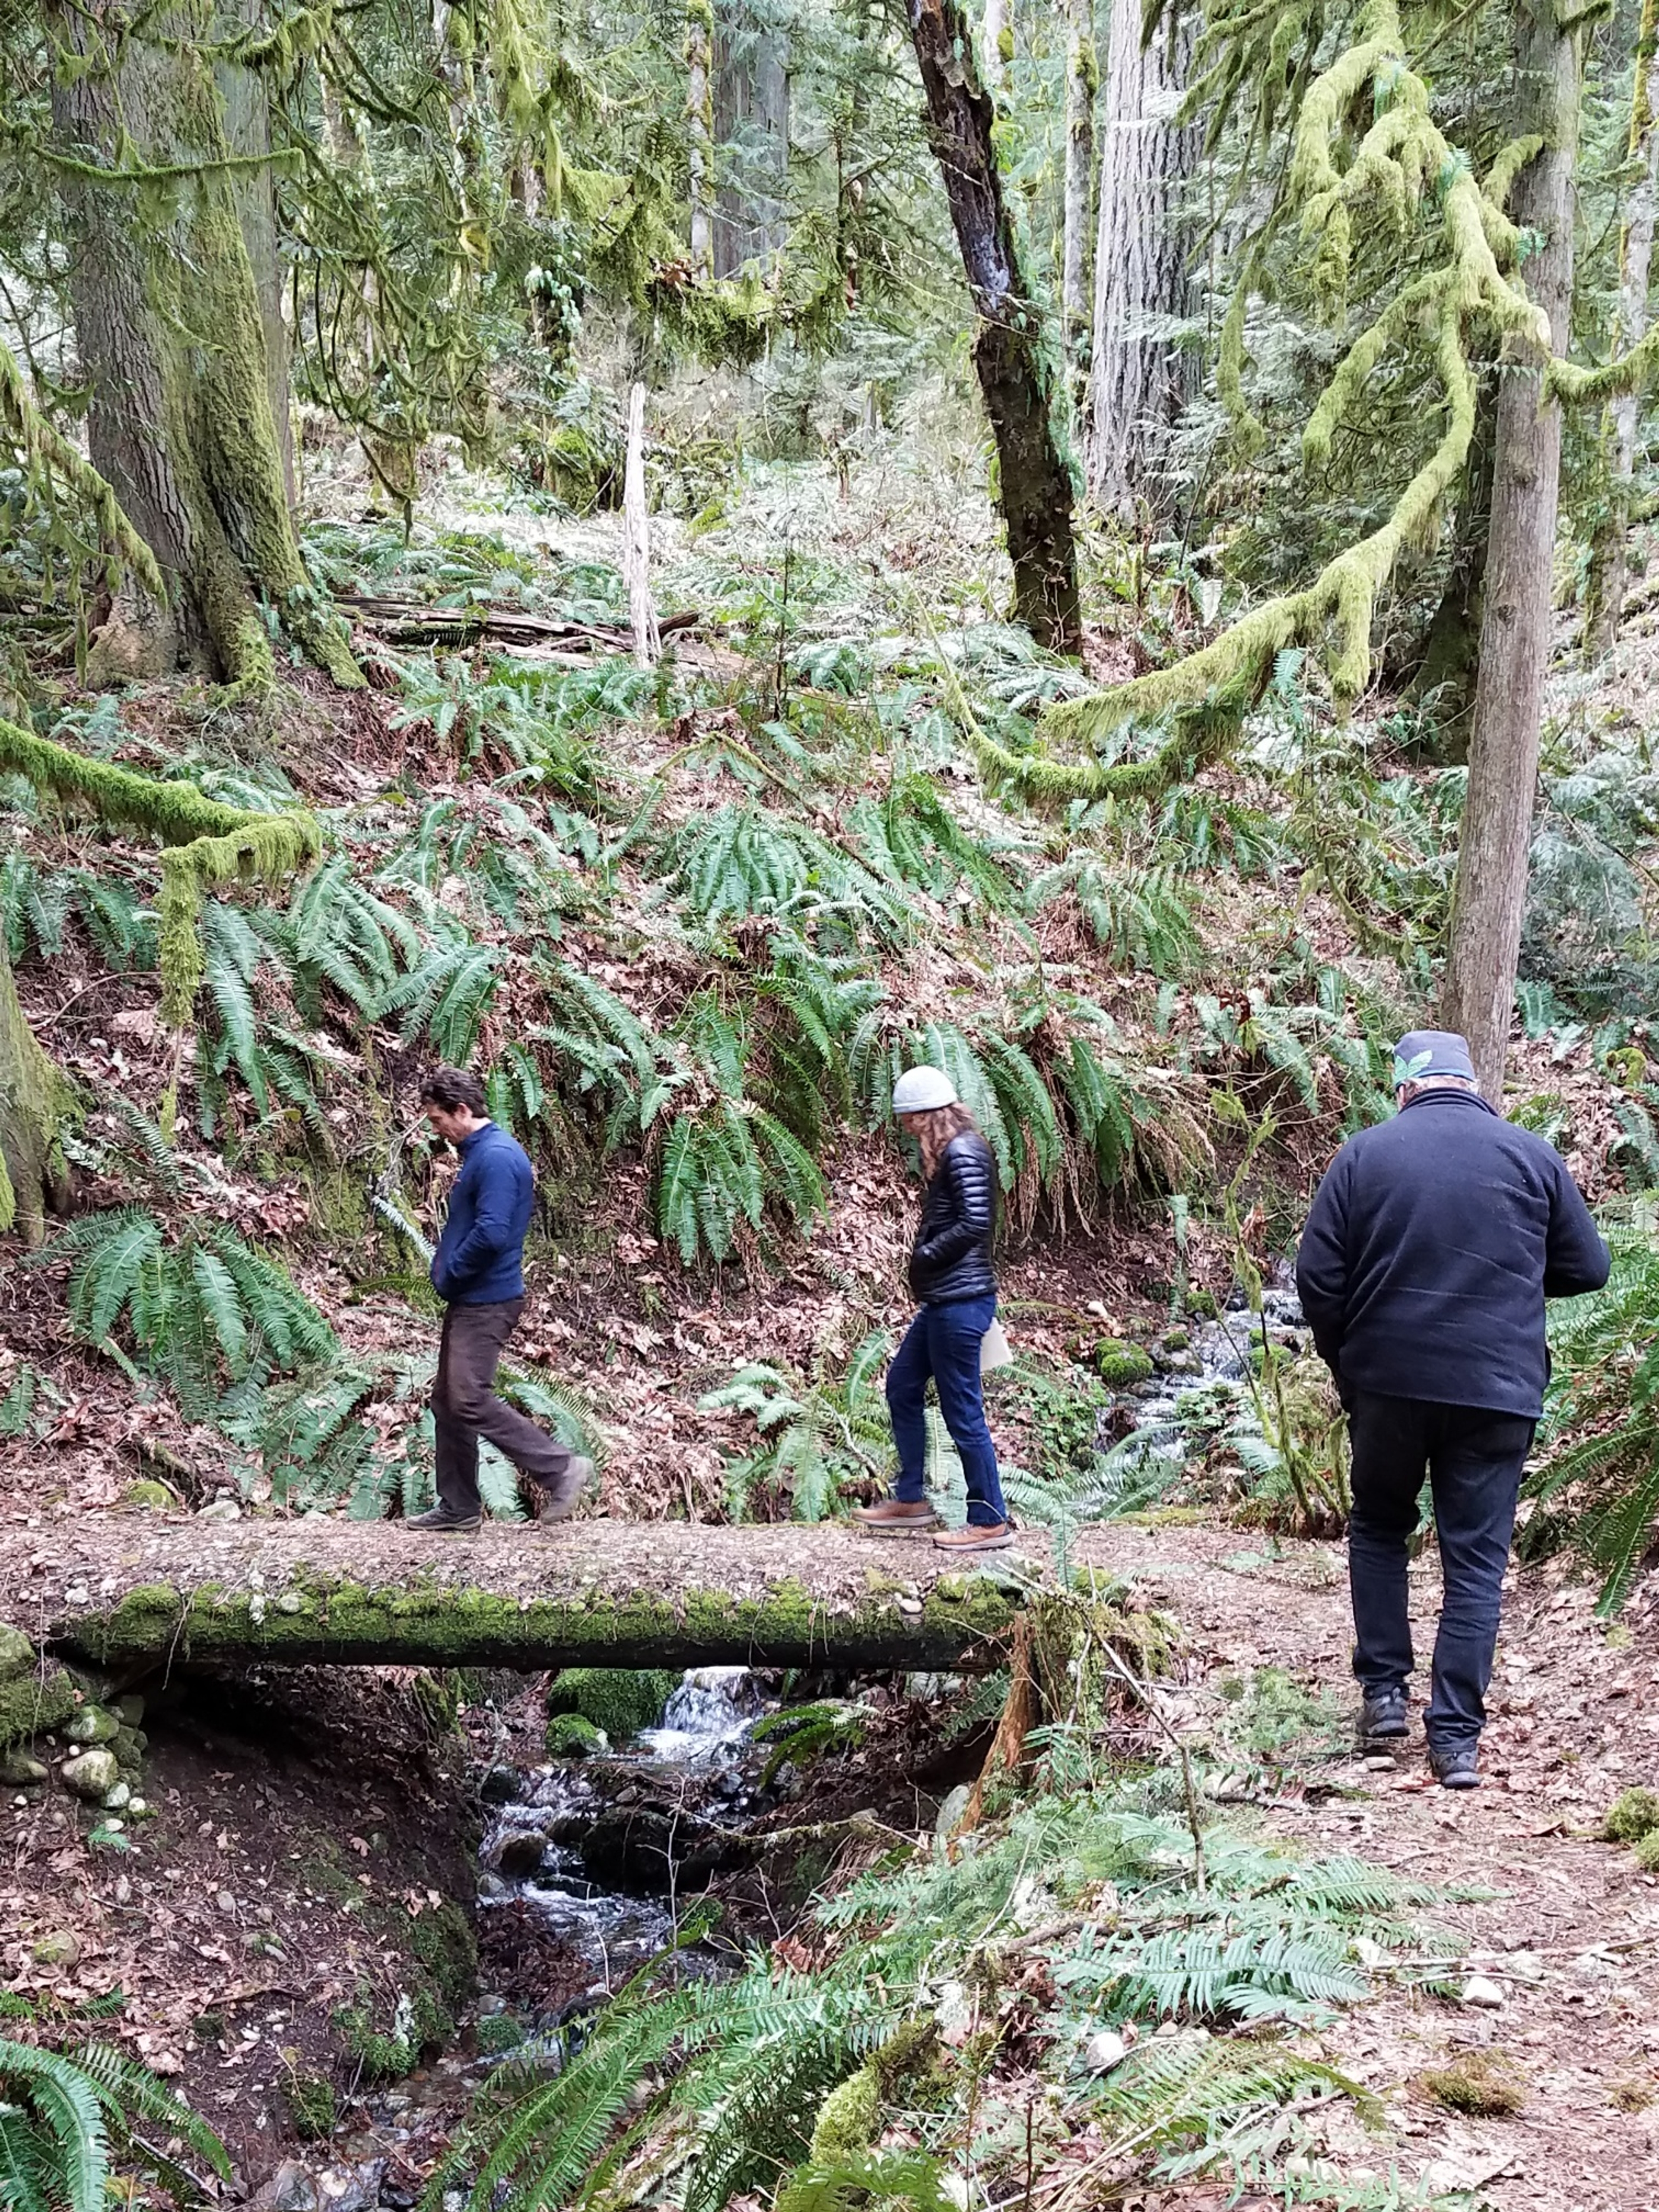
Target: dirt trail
1570,1935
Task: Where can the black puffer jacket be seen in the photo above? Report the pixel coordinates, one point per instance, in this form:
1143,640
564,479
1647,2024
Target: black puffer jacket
951,1256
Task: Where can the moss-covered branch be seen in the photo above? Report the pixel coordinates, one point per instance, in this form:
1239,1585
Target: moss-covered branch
1404,176
47,455
205,843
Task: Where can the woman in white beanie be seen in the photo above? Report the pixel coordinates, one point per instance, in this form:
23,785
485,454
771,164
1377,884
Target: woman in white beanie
952,1277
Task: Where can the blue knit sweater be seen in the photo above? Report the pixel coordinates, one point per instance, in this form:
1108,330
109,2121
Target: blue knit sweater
479,1260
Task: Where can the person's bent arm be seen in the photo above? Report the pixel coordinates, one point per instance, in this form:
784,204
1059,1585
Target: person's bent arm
491,1232
1321,1266
973,1200
1575,1259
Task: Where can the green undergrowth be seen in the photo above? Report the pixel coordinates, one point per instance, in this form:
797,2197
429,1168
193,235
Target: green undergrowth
978,2008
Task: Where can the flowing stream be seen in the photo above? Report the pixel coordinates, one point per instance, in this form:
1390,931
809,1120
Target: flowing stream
597,1849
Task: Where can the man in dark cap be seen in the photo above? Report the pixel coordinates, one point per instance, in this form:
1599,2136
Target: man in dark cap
1430,1247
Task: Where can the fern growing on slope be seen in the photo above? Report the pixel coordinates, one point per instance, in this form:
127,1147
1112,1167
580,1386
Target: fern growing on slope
68,2118
780,2083
815,1438
200,1308
1598,1486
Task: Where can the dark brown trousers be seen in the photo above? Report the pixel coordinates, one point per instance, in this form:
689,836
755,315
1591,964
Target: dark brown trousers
464,1408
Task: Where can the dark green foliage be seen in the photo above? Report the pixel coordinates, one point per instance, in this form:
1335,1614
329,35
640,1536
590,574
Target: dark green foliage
1597,1485
68,2118
802,1734
200,1308
819,1437
310,2103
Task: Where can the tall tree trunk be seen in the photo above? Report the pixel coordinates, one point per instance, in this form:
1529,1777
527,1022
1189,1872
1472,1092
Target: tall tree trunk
1082,83
1609,576
1016,377
169,332
1141,379
700,131
1490,896
248,134
751,121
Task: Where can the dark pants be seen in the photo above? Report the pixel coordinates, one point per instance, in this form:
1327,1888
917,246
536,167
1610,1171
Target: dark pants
1474,1458
464,1408
944,1341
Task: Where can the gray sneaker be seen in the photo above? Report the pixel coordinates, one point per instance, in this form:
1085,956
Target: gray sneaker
1457,1766
1382,1717
440,1522
558,1500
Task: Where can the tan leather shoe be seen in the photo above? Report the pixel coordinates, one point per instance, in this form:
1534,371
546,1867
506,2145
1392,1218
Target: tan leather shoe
896,1517
996,1537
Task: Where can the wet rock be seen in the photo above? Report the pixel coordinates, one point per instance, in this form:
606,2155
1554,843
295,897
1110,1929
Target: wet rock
290,2188
92,1775
520,1856
92,1725
500,1786
62,1949
352,2188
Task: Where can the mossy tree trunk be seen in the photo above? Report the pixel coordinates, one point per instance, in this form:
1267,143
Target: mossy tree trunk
1495,836
1012,354
700,131
169,330
33,1100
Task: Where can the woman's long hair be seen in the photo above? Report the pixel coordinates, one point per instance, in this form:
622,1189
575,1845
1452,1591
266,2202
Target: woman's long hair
933,1132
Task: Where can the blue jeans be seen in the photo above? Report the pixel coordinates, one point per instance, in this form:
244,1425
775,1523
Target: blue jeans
1473,1459
944,1341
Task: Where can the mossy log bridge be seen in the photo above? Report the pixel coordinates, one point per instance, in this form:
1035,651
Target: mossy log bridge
128,1591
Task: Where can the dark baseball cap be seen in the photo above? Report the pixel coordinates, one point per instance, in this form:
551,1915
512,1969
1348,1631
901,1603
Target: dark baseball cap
1431,1051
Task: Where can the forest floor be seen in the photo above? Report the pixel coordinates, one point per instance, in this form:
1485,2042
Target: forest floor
1565,1927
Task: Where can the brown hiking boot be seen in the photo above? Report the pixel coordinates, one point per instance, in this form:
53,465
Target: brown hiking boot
995,1538
896,1517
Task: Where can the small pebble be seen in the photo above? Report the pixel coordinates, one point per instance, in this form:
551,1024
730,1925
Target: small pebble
1478,1989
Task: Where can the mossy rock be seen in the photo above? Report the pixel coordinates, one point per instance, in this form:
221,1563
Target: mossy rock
569,1736
16,1653
1647,1851
499,2031
1482,2084
1632,1814
1119,1364
93,1724
311,2111
1201,1305
618,1700
34,1703
149,1497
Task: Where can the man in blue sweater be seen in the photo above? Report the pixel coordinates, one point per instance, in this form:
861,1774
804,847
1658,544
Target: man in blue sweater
1430,1247
478,1270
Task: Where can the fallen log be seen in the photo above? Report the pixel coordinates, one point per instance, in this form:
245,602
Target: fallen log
129,1590
404,621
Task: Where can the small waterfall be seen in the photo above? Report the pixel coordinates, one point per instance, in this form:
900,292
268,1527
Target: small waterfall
603,1818
714,1707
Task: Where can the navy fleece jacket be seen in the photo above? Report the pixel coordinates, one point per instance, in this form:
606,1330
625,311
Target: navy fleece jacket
1430,1249
479,1260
